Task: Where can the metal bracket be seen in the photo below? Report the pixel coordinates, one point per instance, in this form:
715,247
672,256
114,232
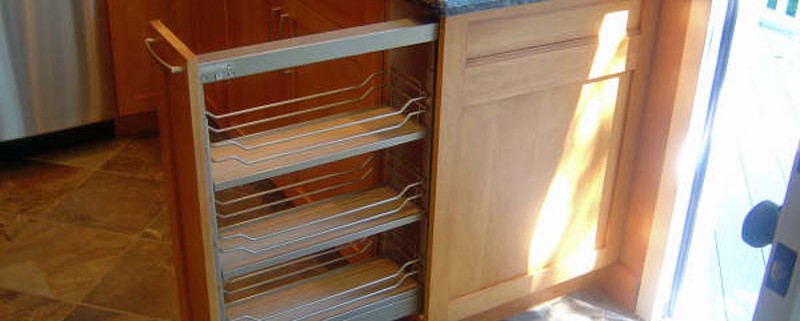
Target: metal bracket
218,72
309,49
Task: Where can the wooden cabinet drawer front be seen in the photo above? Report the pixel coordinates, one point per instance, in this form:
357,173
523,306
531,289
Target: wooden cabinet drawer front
584,60
545,23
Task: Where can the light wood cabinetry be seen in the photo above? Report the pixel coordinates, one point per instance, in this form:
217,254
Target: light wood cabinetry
533,136
532,108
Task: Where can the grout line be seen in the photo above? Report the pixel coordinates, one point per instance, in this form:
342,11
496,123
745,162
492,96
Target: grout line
116,263
74,307
115,152
105,275
131,239
62,199
154,241
128,142
119,311
54,222
134,235
129,175
54,162
141,233
67,194
39,296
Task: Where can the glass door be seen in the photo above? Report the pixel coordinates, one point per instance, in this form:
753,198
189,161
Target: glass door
749,139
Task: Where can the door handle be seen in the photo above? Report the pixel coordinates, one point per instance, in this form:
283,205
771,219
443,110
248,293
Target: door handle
148,42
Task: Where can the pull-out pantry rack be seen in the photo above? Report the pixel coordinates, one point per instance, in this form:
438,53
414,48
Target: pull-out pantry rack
317,217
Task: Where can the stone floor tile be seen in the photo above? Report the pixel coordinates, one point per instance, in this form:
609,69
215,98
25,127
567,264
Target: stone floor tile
56,260
86,313
141,157
15,306
30,187
113,202
14,227
143,283
90,155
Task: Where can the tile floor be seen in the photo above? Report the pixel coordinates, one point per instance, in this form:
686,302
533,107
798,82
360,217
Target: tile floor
84,236
581,306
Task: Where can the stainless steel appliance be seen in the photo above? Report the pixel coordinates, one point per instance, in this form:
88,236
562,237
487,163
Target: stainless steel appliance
55,66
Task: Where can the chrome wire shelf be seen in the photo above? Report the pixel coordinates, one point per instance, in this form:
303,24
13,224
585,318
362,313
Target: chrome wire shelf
371,79
271,240
309,224
240,143
396,81
366,168
293,269
332,293
264,154
287,187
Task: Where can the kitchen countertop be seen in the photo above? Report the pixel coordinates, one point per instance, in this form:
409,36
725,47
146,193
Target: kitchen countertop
455,7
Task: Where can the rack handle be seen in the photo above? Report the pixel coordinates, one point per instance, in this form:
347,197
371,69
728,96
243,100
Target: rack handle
148,42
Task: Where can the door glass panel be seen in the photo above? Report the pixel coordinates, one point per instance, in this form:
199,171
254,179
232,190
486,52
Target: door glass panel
755,134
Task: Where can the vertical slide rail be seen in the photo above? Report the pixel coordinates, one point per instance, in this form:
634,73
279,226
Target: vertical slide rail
186,158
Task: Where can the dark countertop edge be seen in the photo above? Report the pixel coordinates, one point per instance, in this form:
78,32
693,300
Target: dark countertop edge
457,7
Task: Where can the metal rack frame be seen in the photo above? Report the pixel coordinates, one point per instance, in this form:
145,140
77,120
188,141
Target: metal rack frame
366,299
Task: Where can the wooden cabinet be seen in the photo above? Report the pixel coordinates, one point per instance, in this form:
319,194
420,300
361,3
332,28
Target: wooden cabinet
531,134
532,107
137,80
214,25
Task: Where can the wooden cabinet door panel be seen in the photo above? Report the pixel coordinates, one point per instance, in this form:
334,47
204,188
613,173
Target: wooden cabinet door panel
137,78
333,74
575,20
320,77
249,23
492,78
351,13
534,181
527,147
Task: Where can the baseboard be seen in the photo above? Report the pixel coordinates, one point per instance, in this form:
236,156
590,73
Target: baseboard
620,285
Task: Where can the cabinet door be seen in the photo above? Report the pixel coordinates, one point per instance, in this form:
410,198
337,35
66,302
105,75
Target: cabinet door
137,79
530,128
317,17
334,74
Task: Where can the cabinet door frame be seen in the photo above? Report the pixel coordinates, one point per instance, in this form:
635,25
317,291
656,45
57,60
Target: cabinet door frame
521,292
649,261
